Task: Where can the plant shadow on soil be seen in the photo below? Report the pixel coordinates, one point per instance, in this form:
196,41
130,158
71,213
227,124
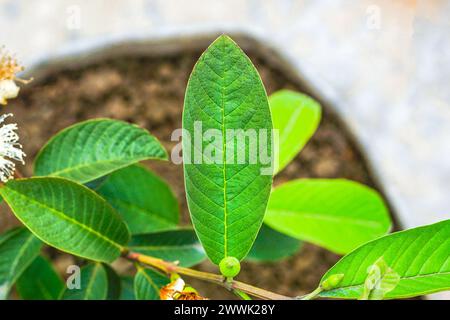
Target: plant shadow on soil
149,91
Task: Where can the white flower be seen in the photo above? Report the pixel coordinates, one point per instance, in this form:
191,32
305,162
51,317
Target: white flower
8,90
9,67
9,148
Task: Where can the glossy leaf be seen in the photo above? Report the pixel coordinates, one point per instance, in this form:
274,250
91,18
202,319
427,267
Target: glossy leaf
40,281
420,256
67,216
93,284
336,214
18,249
297,117
127,288
144,200
271,245
177,245
147,284
380,280
91,149
227,191
114,283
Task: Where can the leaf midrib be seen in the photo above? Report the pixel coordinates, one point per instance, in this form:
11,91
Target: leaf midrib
101,162
64,217
91,282
150,280
321,216
19,255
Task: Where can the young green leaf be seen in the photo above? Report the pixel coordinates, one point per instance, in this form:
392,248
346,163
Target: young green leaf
93,284
67,216
127,286
271,245
177,245
114,283
40,281
144,200
380,280
227,180
18,249
297,117
336,214
147,284
419,256
94,148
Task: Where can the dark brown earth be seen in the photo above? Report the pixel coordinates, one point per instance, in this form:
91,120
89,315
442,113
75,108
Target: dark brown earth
149,91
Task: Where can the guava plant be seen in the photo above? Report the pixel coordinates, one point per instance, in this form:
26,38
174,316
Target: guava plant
90,198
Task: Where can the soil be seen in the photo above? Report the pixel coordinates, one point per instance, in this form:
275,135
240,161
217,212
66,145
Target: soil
149,91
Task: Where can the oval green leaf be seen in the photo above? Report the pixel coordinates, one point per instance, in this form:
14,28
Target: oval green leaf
338,215
146,202
93,284
271,245
114,283
40,281
297,117
227,190
127,288
94,148
176,245
18,249
67,216
148,283
420,257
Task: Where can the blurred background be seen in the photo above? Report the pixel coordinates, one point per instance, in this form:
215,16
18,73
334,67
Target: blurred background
381,66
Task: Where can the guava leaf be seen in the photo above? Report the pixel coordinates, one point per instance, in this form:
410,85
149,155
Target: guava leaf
127,286
67,216
338,215
180,245
91,149
93,284
297,117
40,281
227,190
147,284
420,257
145,201
271,245
114,283
18,249
380,280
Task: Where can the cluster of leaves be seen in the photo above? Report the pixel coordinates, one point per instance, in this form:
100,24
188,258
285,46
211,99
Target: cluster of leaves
90,198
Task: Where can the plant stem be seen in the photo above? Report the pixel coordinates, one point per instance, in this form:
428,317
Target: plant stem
312,295
233,285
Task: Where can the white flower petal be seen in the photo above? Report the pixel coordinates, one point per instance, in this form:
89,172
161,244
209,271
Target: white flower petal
9,148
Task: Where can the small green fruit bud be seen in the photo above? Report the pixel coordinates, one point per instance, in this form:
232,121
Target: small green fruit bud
332,281
230,267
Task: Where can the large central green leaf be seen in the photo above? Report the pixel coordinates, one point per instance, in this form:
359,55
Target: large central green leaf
67,216
227,194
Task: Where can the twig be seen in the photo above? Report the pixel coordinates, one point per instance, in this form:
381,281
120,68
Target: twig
169,268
